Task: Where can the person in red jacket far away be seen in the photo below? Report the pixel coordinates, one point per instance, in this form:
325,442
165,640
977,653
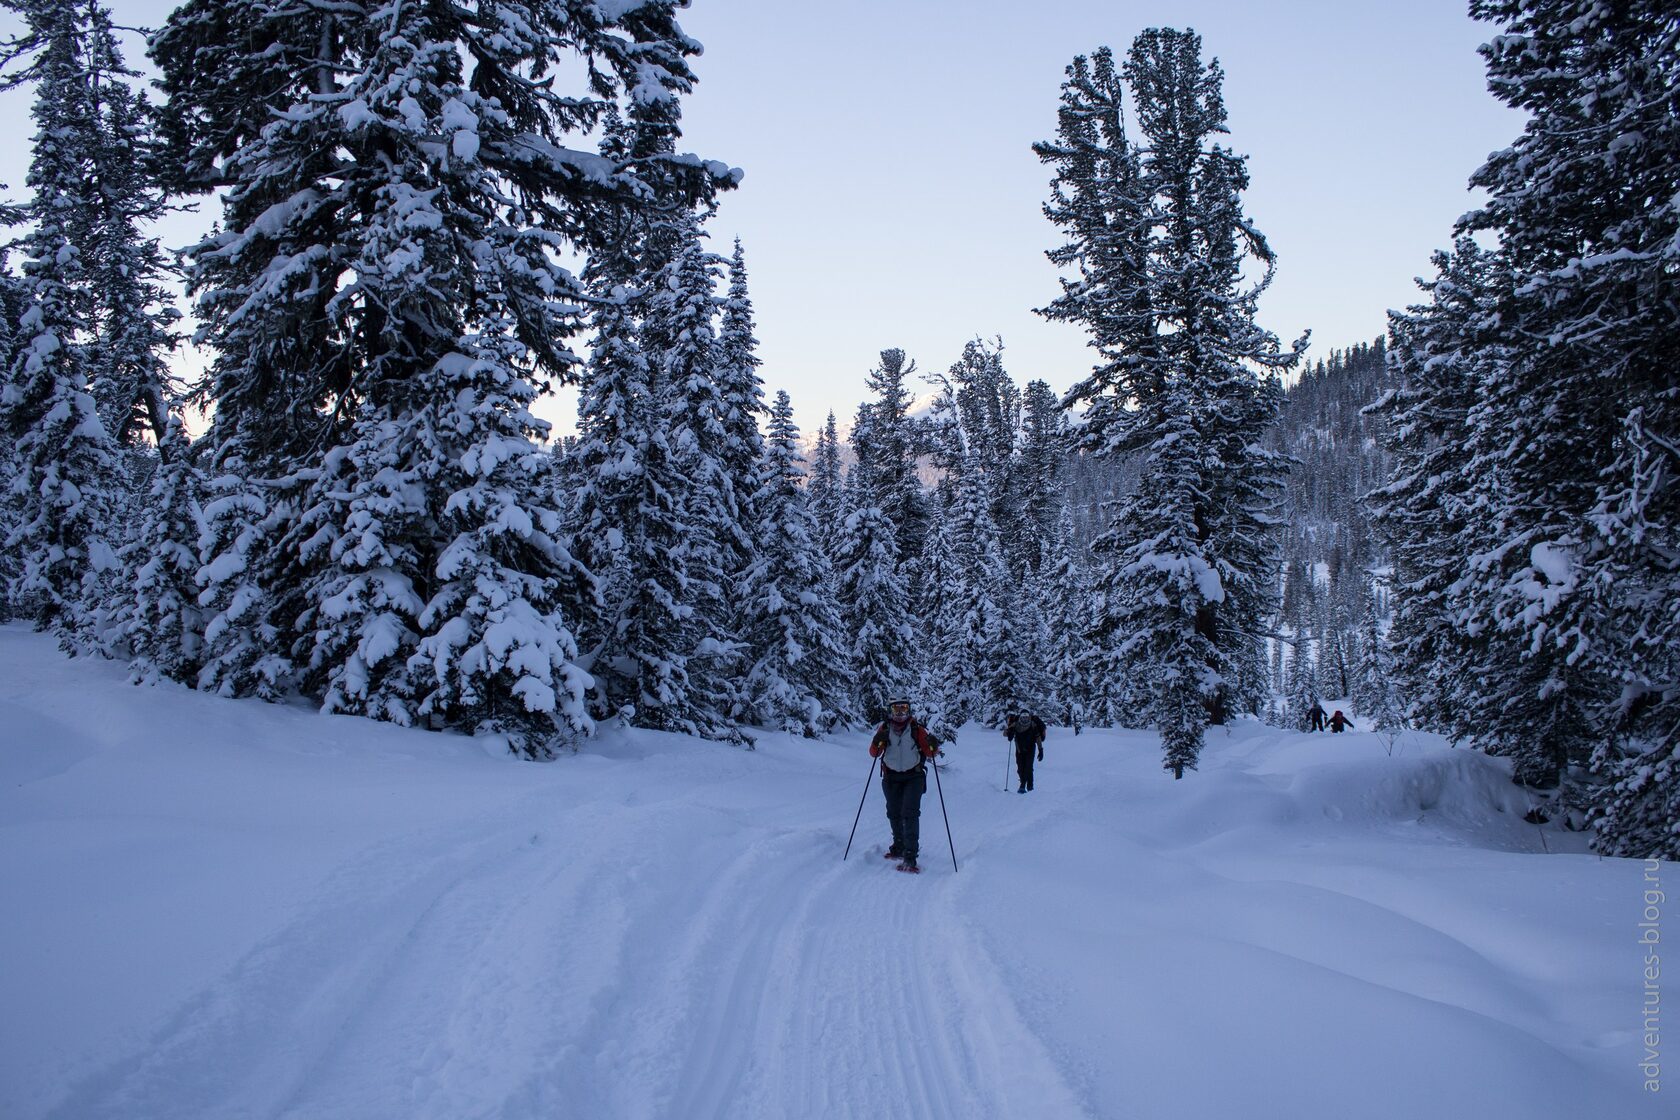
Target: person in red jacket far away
1339,722
903,745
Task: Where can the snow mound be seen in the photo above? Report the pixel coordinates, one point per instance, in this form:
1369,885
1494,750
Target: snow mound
1353,779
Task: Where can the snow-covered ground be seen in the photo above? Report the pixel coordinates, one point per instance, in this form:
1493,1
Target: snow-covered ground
225,909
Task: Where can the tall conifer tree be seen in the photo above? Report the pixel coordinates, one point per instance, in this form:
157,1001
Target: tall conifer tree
628,527
679,335
826,487
1187,380
133,308
874,604
800,678
1064,584
942,672
63,494
386,302
162,621
986,658
1542,370
1586,205
886,443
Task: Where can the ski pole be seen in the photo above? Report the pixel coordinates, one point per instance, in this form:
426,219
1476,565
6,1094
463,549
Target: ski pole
859,816
940,786
1008,750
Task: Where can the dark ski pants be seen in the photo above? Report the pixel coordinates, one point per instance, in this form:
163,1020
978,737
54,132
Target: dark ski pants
904,789
1024,765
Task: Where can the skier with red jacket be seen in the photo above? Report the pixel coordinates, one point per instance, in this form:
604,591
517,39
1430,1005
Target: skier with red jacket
903,745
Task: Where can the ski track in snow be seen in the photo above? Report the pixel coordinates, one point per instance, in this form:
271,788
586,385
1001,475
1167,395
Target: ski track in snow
859,985
842,973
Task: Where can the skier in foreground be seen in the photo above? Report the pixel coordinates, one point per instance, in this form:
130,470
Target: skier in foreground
903,746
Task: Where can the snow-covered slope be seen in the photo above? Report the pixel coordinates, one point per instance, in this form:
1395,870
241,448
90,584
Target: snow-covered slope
223,909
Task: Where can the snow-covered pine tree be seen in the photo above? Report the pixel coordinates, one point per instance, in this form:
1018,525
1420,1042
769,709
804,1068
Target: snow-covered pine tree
941,702
162,625
975,425
1276,666
742,391
1530,487
1186,381
1159,592
1099,199
1431,514
886,443
266,387
66,473
13,301
441,599
1066,612
408,313
498,656
1300,594
800,678
742,452
825,488
245,83
1218,343
679,337
1039,470
987,661
1303,687
127,355
628,528
1484,681
1034,688
133,308
1373,694
396,191
1585,429
874,605
1335,670
621,477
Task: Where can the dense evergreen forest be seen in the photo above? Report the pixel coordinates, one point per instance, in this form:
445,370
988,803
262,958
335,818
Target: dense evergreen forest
1468,526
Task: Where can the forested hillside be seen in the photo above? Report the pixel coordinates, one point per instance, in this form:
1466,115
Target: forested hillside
1335,574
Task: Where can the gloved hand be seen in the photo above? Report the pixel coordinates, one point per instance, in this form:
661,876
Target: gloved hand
875,751
1041,756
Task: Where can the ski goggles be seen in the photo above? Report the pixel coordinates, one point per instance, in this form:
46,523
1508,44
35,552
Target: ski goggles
899,709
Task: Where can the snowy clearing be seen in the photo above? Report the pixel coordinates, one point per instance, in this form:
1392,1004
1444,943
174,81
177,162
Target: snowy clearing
225,909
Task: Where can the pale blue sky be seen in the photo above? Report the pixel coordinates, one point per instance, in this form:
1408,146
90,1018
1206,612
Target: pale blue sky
892,198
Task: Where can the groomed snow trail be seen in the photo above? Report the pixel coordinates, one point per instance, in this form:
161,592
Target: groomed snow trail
603,961
236,910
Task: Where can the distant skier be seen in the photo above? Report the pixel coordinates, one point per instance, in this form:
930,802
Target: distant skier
1339,722
1026,731
1315,717
903,745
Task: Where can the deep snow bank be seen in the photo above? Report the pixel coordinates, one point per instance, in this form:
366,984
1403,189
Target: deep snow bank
220,909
